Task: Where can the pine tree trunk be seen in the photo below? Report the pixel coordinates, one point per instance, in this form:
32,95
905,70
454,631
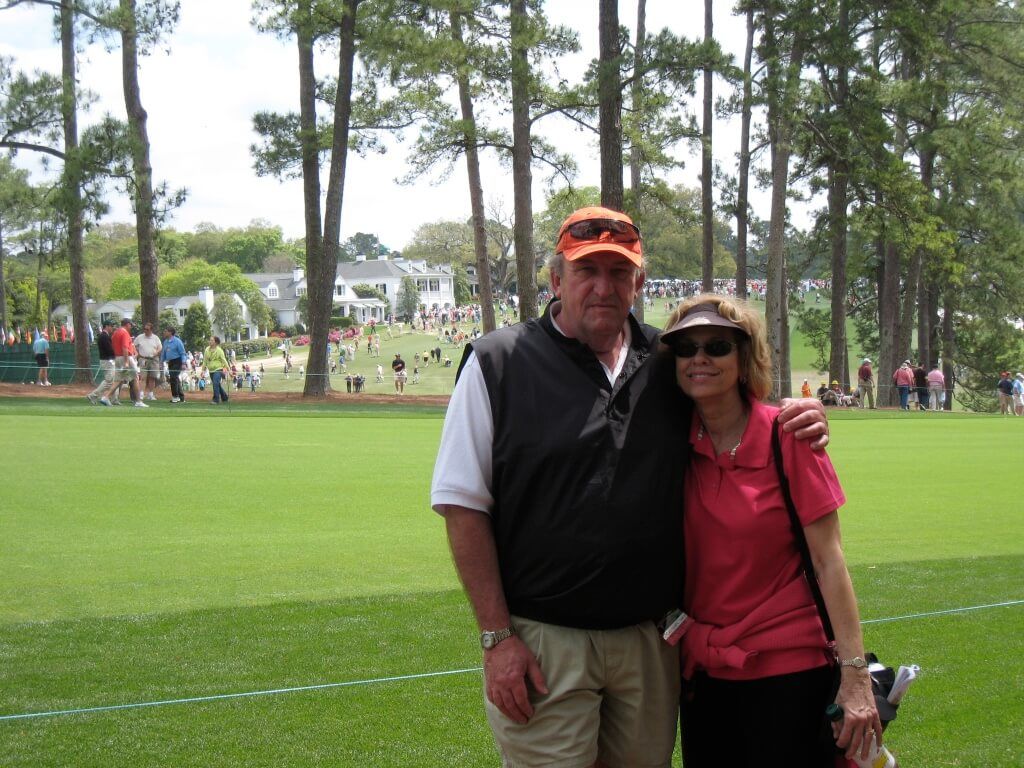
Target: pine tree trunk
522,174
782,91
838,203
72,187
706,180
838,191
304,34
3,283
933,329
742,209
949,351
610,106
925,327
888,323
143,169
476,191
777,291
635,160
325,271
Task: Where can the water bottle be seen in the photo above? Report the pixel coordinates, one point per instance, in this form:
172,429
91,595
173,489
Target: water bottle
878,755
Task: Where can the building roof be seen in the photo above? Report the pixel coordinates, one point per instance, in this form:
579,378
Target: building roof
285,303
359,271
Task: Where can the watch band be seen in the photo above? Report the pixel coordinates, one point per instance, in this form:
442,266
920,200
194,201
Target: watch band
489,638
856,662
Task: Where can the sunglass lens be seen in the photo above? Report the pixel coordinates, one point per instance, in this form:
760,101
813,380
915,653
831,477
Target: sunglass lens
593,228
684,349
718,348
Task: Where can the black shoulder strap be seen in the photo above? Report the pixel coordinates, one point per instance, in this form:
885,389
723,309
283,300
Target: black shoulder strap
798,534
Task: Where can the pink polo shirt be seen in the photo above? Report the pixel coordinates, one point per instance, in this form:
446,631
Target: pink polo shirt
744,581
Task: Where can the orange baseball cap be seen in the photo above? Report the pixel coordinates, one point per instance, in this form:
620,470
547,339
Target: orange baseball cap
608,232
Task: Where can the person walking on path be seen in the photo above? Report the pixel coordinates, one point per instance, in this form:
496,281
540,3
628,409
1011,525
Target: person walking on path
936,388
41,349
1005,389
148,348
398,366
560,479
126,367
921,386
866,384
904,380
106,352
174,355
216,362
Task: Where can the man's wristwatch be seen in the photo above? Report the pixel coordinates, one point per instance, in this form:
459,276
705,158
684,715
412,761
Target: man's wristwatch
856,662
489,639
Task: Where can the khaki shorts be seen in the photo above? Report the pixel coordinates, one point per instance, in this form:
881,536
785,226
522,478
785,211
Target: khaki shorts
613,695
151,366
126,368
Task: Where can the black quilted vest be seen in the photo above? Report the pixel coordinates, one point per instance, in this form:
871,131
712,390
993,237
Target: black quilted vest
587,478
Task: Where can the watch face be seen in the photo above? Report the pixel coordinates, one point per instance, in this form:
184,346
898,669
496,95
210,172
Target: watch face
487,640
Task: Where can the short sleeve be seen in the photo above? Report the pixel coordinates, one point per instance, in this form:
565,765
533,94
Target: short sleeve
462,472
813,482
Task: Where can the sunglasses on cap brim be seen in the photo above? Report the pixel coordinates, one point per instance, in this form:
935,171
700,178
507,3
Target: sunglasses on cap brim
592,229
687,348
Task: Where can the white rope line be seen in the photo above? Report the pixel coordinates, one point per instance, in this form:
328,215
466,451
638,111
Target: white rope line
398,678
942,613
248,694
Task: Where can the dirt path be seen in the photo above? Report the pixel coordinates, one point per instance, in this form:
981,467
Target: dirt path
80,390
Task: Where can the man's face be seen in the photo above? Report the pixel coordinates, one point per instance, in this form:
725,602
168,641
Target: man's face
148,330
596,292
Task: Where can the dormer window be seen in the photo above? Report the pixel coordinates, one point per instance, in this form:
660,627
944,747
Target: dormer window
272,292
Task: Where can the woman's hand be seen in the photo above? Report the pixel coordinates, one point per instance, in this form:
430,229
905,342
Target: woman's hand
860,715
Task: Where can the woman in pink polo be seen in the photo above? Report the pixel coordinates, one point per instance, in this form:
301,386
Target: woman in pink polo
758,667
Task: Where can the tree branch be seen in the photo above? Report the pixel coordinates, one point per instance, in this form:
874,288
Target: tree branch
31,147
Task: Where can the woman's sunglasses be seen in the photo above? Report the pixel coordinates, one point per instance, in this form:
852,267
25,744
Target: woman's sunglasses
687,348
592,229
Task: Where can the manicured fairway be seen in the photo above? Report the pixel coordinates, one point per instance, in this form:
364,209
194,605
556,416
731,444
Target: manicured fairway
169,554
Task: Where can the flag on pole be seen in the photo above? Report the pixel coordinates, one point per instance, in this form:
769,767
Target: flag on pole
35,334
88,327
63,333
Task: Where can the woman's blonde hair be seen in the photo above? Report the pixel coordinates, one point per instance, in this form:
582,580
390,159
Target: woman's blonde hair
755,358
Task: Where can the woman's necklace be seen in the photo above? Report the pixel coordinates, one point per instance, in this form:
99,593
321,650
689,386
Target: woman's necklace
732,452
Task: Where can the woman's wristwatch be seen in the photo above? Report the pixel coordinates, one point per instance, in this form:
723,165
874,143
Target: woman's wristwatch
856,662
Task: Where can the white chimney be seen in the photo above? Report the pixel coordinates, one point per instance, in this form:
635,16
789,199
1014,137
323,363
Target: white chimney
206,298
297,273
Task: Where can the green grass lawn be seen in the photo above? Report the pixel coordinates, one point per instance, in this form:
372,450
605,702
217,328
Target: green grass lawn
167,554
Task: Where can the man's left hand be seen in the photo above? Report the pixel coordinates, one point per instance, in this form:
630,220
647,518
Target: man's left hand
805,417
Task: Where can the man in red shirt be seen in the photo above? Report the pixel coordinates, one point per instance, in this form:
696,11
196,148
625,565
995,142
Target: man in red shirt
125,367
866,383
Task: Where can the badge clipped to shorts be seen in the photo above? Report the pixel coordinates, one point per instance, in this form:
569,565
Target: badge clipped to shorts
674,625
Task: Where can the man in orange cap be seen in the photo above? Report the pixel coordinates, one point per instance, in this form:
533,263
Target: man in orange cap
560,478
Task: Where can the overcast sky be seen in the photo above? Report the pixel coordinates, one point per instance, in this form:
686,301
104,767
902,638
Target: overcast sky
216,71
